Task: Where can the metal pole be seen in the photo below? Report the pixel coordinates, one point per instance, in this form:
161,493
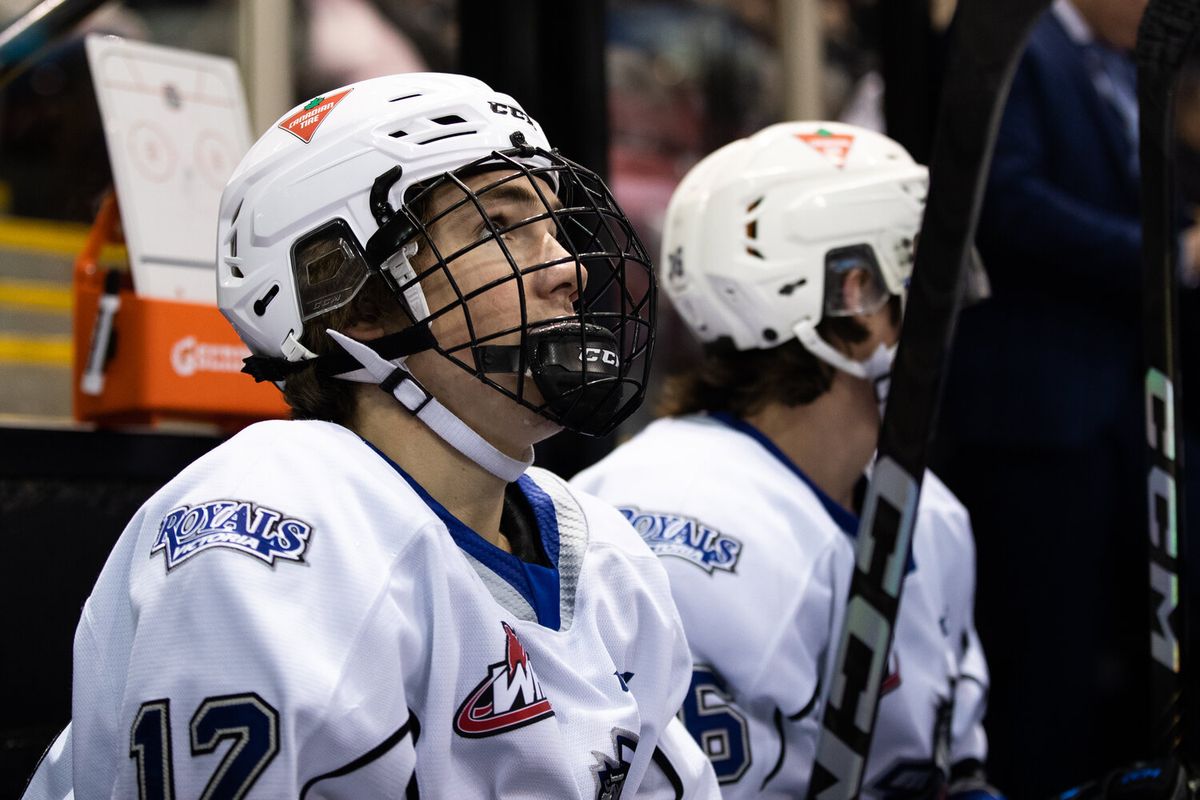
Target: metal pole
802,49
265,55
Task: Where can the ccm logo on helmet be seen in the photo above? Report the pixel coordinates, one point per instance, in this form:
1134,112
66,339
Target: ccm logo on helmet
505,110
594,354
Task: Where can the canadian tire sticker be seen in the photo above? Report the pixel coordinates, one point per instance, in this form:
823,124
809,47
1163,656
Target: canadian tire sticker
304,123
834,146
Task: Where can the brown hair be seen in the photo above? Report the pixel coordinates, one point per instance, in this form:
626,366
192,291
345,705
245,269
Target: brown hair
743,382
314,396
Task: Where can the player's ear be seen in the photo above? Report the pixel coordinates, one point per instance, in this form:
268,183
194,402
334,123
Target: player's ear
855,285
365,331
376,313
882,325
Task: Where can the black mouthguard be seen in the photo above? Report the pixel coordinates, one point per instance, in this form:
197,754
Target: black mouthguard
577,368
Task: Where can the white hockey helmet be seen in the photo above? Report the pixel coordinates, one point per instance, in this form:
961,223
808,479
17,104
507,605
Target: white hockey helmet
760,234
347,165
318,163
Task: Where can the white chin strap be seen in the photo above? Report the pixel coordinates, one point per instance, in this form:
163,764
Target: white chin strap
877,368
439,419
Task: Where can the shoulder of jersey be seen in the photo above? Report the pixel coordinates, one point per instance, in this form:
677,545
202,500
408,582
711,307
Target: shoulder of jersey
936,498
604,525
277,485
943,515
294,456
679,451
696,468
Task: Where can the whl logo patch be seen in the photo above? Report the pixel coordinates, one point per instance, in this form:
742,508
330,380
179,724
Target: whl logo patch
834,146
304,123
254,530
510,697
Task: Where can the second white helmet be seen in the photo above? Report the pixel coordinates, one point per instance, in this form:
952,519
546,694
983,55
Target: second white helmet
760,235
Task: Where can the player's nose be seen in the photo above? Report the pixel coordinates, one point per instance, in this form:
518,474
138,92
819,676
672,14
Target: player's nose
561,277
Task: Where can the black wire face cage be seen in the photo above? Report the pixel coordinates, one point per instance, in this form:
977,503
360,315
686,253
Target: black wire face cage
536,282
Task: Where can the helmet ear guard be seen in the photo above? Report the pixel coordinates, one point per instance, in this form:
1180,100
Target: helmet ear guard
329,269
854,283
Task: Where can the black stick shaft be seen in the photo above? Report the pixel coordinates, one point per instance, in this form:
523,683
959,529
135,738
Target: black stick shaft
1167,32
24,37
988,39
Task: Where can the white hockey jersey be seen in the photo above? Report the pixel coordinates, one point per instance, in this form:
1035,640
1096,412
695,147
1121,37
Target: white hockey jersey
294,617
760,560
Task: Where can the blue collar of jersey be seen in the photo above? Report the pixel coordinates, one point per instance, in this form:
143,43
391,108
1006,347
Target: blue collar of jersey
845,520
538,585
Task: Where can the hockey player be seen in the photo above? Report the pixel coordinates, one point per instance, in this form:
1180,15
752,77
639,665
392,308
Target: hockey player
787,254
384,597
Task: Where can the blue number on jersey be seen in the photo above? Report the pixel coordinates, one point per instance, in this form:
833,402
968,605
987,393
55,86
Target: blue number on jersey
714,722
150,746
246,719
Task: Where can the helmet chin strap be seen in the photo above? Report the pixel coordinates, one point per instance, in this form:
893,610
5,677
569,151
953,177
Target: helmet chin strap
877,368
395,379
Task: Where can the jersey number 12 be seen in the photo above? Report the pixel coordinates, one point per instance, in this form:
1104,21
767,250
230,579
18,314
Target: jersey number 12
246,719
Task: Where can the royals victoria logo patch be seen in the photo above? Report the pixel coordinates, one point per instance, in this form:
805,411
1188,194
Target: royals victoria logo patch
510,697
686,538
246,527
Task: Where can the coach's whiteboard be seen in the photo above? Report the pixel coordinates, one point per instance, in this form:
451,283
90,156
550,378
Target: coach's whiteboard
176,125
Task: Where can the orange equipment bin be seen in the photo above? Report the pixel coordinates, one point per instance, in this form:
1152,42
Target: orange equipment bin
166,360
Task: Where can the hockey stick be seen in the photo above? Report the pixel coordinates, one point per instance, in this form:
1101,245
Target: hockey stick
1164,38
988,39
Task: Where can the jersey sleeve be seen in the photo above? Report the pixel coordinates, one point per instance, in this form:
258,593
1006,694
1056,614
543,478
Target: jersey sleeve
956,543
773,642
51,779
226,676
968,739
679,769
227,663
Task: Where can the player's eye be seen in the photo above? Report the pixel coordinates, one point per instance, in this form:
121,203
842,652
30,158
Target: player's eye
495,221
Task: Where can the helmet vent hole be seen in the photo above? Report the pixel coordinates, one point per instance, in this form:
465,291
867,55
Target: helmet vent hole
398,134
449,119
233,245
752,229
769,334
788,288
446,136
404,97
260,305
235,271
753,205
755,253
237,211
